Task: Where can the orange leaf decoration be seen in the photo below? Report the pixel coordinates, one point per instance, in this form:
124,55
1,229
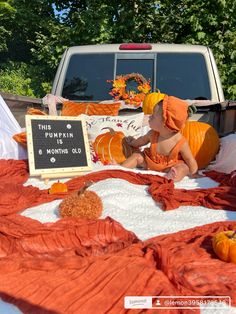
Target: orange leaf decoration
58,187
135,97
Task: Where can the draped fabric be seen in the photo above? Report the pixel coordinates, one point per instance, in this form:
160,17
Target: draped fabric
88,266
80,266
223,178
14,197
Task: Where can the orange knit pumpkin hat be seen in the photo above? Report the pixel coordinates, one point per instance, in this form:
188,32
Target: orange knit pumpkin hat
175,112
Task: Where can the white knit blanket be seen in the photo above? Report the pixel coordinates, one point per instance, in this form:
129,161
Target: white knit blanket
134,208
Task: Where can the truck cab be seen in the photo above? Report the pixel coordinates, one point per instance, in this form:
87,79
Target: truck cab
185,71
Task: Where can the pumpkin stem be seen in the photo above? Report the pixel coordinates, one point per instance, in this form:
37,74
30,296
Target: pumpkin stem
110,129
191,110
84,187
232,235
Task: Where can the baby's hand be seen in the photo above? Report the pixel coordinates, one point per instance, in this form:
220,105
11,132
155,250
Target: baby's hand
129,140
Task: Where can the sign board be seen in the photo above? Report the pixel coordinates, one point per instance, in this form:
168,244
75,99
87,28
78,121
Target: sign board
57,145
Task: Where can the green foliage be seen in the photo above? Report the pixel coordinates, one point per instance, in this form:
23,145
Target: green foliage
210,23
6,14
41,34
21,79
14,79
48,48
30,17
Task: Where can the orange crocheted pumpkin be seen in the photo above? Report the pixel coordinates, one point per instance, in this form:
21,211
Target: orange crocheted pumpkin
58,187
203,141
224,245
111,147
82,204
150,101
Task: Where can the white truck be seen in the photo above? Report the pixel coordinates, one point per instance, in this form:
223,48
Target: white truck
186,71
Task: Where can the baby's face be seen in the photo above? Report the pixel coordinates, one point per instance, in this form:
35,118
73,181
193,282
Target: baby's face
156,119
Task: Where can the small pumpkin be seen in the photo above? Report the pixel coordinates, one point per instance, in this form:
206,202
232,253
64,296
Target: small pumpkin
203,140
58,187
224,245
83,204
111,147
150,101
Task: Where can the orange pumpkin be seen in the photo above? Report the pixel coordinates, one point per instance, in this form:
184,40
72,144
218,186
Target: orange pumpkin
150,101
111,147
203,141
224,245
58,187
82,204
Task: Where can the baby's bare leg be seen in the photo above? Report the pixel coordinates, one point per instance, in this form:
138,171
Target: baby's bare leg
135,160
178,172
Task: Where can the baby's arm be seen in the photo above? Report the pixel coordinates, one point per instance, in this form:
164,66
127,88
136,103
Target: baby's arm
138,142
188,158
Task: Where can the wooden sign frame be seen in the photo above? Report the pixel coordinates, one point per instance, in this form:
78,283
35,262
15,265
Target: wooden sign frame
62,171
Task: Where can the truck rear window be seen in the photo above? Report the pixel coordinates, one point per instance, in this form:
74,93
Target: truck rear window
87,75
179,74
183,75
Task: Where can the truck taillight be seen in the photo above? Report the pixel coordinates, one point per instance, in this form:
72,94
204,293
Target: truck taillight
135,47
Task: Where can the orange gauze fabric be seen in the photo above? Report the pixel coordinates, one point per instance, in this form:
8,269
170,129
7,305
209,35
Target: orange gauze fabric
223,178
76,266
162,190
14,197
188,260
13,171
175,112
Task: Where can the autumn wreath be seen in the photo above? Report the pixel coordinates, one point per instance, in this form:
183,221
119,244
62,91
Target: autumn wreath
132,97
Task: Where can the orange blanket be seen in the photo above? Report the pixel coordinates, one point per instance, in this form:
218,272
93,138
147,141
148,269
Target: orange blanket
79,266
14,197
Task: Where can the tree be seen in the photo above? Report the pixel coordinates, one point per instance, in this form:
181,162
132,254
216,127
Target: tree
211,23
6,14
46,28
28,20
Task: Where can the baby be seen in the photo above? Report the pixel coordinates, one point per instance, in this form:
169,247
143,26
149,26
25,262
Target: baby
169,151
